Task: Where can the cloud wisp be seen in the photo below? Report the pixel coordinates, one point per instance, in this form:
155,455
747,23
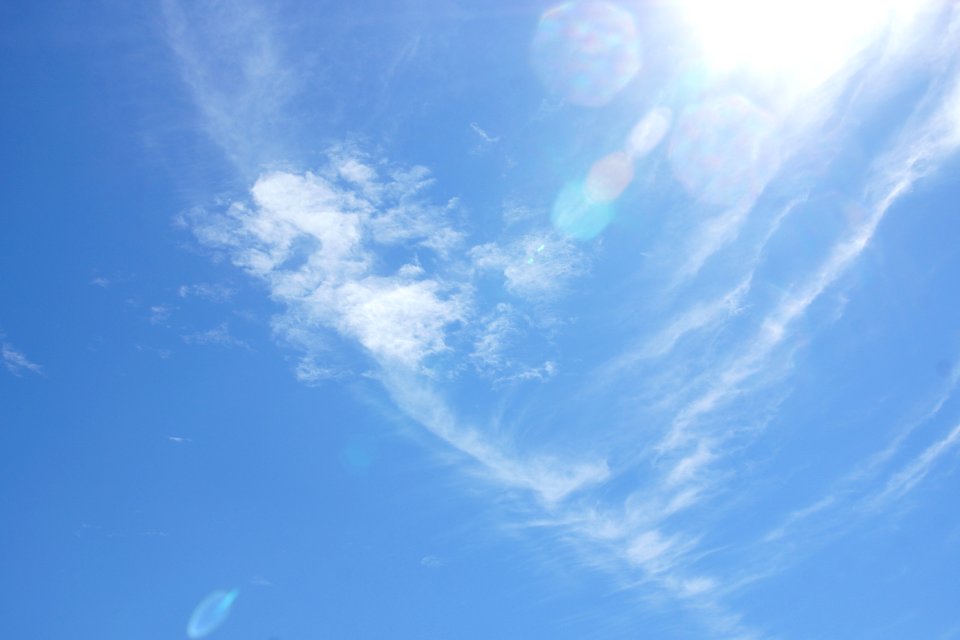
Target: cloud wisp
313,239
16,362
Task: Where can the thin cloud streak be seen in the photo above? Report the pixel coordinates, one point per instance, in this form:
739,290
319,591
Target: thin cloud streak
233,63
917,154
906,479
549,479
17,363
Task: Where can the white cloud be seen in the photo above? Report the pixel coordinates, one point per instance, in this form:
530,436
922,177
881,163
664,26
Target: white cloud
856,493
497,342
536,266
515,213
916,154
431,562
494,338
551,479
234,65
17,363
212,292
313,240
159,314
486,137
219,336
650,550
310,372
908,477
396,321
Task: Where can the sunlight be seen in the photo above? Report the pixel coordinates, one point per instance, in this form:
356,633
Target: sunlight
809,41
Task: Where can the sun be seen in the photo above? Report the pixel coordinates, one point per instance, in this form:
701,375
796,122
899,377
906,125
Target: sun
807,41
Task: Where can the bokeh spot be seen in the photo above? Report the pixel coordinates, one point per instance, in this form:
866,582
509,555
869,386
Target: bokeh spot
586,52
609,176
648,133
578,216
722,151
211,613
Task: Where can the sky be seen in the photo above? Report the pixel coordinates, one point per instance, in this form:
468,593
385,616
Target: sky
438,319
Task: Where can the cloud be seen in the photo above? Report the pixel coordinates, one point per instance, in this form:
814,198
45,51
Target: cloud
17,363
916,154
311,373
907,478
856,494
536,266
212,292
484,136
312,239
550,479
400,322
501,348
431,562
233,63
159,314
219,336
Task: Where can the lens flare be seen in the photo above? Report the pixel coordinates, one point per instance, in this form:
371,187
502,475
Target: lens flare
648,133
804,42
211,613
723,151
586,52
578,216
608,177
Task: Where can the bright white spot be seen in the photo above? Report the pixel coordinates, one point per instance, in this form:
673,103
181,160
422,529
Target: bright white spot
808,40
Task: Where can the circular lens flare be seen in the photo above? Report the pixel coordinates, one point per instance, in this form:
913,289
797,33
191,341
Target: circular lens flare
586,52
608,177
576,215
722,151
648,133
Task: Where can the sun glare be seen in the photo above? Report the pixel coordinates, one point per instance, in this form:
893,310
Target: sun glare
808,40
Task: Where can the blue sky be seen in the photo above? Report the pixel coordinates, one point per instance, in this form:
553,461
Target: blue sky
480,320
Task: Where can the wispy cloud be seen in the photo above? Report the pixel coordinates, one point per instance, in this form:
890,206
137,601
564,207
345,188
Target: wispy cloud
931,137
233,63
431,562
908,477
16,362
486,137
536,266
218,336
312,239
308,237
856,495
160,314
207,291
550,479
